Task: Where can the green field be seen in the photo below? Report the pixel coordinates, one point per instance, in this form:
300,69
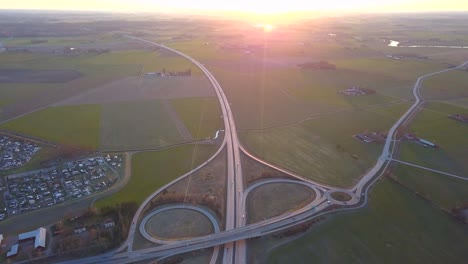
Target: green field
201,116
148,61
396,227
446,86
268,89
152,170
120,126
388,77
265,94
58,41
462,102
136,125
314,148
433,124
96,70
446,192
75,126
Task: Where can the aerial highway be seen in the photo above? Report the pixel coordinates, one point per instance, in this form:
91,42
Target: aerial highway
233,237
234,167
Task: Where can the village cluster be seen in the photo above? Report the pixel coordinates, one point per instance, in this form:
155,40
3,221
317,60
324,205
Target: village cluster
379,137
46,187
356,91
165,73
14,153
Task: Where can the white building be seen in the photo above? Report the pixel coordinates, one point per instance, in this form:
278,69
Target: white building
13,251
39,236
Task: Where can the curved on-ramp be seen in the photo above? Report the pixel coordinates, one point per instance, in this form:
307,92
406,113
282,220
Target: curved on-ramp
276,223
201,210
156,240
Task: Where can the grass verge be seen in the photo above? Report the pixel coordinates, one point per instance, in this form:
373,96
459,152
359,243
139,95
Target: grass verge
152,170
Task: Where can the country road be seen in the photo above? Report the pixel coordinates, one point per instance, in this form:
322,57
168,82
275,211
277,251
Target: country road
236,230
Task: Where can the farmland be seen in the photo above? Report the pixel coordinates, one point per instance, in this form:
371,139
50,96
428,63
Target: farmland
152,170
76,126
280,94
37,76
95,71
433,124
201,116
385,232
314,147
136,125
133,89
264,202
428,184
63,41
306,95
447,86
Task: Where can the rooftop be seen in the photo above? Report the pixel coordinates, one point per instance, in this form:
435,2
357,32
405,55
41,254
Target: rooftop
39,236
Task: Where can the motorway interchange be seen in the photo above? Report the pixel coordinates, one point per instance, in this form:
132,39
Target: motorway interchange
236,231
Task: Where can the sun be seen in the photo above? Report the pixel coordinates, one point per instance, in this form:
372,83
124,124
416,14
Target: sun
265,27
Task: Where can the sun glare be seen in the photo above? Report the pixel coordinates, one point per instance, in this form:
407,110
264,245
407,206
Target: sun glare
265,27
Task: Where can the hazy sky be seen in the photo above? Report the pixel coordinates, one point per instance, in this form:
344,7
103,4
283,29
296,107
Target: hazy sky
255,6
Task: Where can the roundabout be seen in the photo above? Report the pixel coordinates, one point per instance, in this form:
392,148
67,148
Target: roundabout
341,197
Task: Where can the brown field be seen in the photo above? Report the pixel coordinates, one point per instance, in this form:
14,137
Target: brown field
37,76
146,88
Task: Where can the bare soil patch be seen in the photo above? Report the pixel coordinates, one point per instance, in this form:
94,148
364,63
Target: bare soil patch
37,76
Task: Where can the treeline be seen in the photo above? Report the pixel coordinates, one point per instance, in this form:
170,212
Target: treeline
96,238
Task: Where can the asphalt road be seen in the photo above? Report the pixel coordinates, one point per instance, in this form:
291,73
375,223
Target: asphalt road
234,208
214,223
236,199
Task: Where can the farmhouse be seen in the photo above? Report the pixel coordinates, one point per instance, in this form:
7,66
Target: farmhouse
375,137
427,143
364,138
38,235
356,91
13,251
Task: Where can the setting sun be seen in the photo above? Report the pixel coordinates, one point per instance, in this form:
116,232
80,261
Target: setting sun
265,27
